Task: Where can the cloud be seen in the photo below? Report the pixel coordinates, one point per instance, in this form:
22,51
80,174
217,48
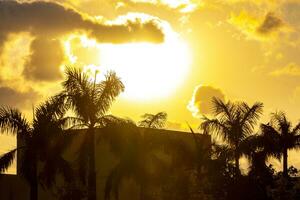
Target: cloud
52,19
270,24
48,22
11,97
44,60
291,69
259,28
201,102
183,6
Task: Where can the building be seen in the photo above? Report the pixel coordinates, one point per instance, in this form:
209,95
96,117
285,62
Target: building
170,155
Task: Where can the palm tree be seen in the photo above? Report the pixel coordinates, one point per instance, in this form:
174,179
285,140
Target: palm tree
233,122
259,148
43,142
157,120
90,101
284,136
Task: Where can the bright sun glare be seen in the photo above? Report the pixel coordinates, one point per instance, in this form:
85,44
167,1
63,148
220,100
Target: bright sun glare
148,71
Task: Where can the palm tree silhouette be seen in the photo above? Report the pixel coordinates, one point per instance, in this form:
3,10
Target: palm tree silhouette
90,101
43,143
157,120
259,148
284,136
233,122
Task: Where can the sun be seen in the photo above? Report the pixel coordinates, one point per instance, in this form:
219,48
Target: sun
148,71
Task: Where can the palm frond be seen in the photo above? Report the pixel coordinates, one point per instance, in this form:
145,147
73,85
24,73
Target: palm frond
279,121
223,110
12,121
214,126
7,159
250,116
73,123
76,81
110,120
296,130
107,91
153,120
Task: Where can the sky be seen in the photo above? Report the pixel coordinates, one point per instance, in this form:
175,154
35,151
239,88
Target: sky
172,55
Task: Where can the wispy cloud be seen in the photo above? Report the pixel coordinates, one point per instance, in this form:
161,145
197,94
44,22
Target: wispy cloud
292,69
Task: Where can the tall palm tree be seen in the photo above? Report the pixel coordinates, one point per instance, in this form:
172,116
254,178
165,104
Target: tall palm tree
43,142
233,122
259,148
90,101
285,137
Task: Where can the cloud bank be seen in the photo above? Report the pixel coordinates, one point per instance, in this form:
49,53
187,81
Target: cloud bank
52,20
46,26
47,22
11,97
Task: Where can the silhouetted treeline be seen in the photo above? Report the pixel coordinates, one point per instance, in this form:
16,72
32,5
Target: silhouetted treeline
202,171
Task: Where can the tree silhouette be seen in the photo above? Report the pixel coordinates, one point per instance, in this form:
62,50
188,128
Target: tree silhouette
284,137
233,122
153,120
90,101
43,143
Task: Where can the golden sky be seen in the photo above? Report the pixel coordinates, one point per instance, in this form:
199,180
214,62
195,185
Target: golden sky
173,55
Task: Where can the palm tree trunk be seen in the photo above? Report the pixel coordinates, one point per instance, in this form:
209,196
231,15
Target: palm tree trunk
237,165
91,172
285,162
34,183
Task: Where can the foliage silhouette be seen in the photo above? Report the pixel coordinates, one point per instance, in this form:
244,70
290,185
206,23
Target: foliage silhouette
157,120
90,101
43,143
233,122
284,136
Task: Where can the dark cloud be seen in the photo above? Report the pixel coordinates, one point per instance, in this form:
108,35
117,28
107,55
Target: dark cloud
44,60
11,97
51,19
271,23
201,102
46,21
